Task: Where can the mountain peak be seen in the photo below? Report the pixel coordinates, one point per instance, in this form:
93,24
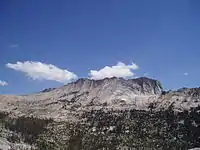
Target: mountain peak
139,86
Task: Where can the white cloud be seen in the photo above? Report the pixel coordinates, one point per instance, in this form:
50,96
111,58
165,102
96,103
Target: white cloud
14,45
3,83
119,70
185,74
42,71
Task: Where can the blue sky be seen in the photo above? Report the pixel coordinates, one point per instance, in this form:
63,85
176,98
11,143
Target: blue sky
161,37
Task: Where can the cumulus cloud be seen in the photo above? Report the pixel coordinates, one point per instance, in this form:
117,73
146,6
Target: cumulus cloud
3,83
119,70
185,74
42,71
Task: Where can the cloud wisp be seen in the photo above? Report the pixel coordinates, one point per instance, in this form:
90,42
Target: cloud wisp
186,74
146,74
42,71
14,45
3,83
119,70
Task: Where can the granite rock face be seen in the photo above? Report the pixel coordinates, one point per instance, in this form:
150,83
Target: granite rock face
108,93
136,113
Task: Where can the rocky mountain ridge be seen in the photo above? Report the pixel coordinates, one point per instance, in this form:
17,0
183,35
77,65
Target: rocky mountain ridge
108,93
113,114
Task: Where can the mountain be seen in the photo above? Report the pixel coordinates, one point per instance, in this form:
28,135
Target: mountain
109,93
111,110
